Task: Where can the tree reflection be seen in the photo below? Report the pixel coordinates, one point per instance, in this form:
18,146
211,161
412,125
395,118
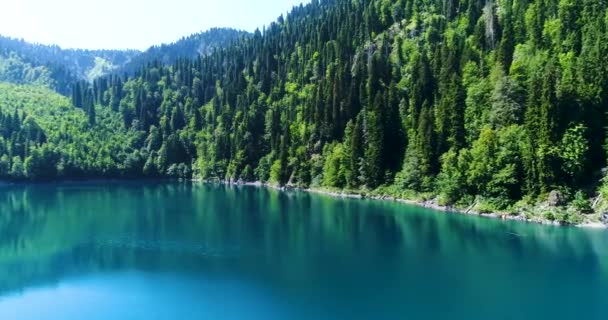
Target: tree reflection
288,240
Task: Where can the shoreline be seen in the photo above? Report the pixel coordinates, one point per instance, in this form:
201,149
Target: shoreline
423,204
429,204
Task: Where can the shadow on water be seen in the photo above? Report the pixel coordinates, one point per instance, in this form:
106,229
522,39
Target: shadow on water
350,258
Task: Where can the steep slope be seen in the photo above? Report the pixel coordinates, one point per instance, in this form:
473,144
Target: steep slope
188,47
16,69
42,137
80,63
58,69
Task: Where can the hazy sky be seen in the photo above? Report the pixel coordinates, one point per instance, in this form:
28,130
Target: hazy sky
134,24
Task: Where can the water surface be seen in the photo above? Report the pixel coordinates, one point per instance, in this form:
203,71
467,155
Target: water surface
196,251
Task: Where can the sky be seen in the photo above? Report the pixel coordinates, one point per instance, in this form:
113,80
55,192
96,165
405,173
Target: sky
130,24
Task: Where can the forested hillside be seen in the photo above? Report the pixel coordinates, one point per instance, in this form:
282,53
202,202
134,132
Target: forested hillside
79,64
43,137
190,47
59,69
18,70
471,101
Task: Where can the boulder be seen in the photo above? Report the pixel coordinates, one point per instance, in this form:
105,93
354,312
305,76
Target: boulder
556,198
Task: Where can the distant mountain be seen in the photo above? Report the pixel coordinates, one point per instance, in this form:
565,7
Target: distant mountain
51,66
190,47
16,69
84,64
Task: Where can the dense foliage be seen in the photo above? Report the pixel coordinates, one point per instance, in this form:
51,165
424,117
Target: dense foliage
16,69
43,137
58,69
502,99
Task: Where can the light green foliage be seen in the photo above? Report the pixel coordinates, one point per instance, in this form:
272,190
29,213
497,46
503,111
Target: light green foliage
483,160
492,168
17,171
41,164
61,144
275,172
581,203
334,171
507,180
452,181
478,102
573,151
14,69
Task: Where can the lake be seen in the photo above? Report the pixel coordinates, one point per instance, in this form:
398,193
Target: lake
195,251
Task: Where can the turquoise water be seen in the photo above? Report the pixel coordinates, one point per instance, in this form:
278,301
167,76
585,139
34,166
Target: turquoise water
195,251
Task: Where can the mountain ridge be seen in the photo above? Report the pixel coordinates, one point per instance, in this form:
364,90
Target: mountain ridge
187,47
58,68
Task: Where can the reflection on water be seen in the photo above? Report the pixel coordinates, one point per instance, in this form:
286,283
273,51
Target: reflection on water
336,258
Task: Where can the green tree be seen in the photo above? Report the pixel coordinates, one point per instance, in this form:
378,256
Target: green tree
573,151
17,171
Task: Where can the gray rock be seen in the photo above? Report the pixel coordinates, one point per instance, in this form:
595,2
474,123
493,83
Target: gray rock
556,198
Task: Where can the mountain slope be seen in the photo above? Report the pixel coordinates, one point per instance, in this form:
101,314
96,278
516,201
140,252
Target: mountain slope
188,47
16,69
57,68
43,137
78,62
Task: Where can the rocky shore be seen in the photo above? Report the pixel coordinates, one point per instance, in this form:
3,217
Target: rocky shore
430,204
